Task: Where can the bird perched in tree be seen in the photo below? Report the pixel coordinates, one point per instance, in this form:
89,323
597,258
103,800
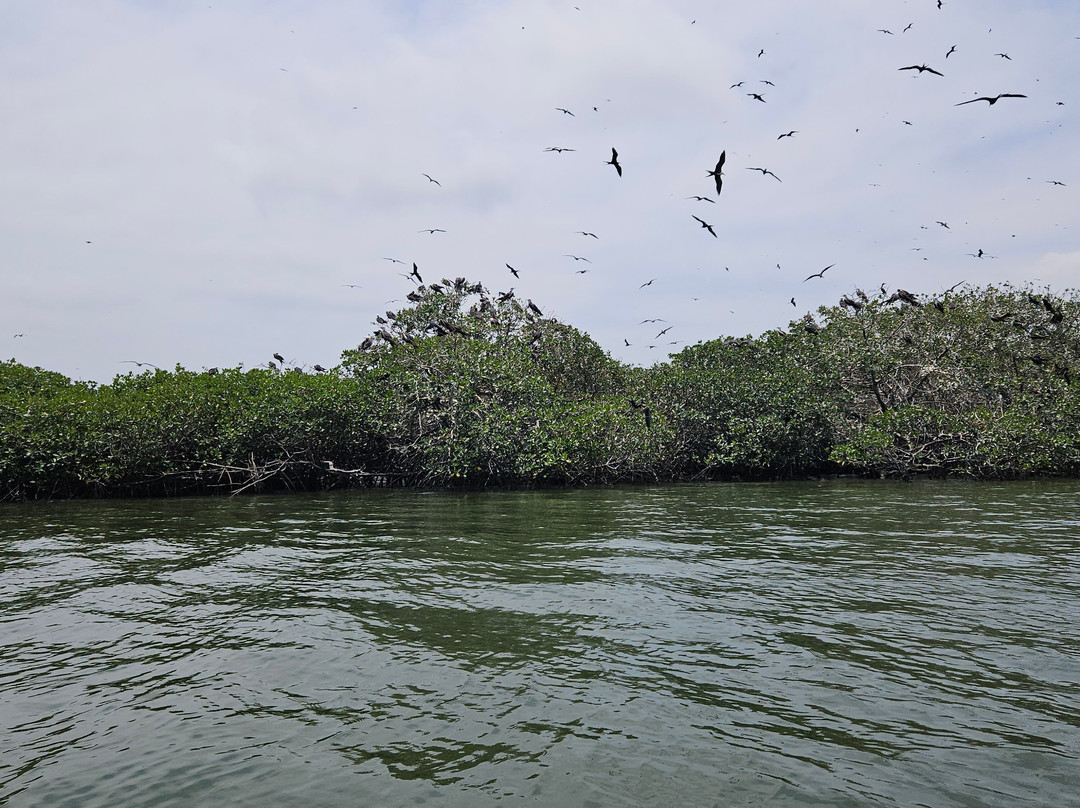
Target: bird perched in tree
319,369
279,358
535,309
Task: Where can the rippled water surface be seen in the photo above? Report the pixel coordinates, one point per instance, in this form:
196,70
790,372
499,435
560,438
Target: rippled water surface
838,643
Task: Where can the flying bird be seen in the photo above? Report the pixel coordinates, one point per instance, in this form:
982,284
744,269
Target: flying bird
1052,182
706,225
943,224
1004,56
565,111
922,69
764,172
614,161
885,31
715,173
393,260
559,149
432,179
788,134
513,271
991,101
647,283
740,84
584,233
702,199
128,361
756,97
431,230
761,53
951,50
577,258
819,274
663,332
906,29
415,274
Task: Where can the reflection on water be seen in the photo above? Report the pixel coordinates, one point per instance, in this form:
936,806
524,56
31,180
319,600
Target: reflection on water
839,643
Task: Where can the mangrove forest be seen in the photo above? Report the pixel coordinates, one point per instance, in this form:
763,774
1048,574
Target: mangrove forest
468,388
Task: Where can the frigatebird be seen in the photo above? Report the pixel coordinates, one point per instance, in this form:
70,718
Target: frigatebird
431,230
788,134
565,111
764,172
991,101
431,179
614,161
559,149
756,97
706,225
279,358
715,173
513,271
819,274
922,69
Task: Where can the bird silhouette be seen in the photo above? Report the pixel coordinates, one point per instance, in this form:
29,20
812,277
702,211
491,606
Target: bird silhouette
944,224
614,161
715,173
584,233
1004,56
951,50
431,230
991,101
319,369
706,226
647,283
792,301
565,111
559,149
577,258
740,84
535,309
513,271
764,172
922,69
663,332
1056,182
129,361
756,97
819,274
394,260
415,273
432,179
279,358
788,134
702,199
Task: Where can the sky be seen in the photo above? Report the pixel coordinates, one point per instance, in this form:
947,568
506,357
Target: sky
209,183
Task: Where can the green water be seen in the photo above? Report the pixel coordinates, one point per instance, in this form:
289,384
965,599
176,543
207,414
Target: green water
839,643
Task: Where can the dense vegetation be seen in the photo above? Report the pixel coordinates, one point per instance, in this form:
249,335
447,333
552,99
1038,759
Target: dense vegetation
466,388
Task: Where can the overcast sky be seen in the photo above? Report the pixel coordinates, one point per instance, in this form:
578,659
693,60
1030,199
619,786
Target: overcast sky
198,183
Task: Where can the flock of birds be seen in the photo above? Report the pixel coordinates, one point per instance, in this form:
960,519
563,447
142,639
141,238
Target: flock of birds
715,174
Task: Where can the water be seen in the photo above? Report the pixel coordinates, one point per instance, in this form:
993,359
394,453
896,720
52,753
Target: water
840,643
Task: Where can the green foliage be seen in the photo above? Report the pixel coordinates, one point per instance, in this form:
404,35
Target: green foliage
463,388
